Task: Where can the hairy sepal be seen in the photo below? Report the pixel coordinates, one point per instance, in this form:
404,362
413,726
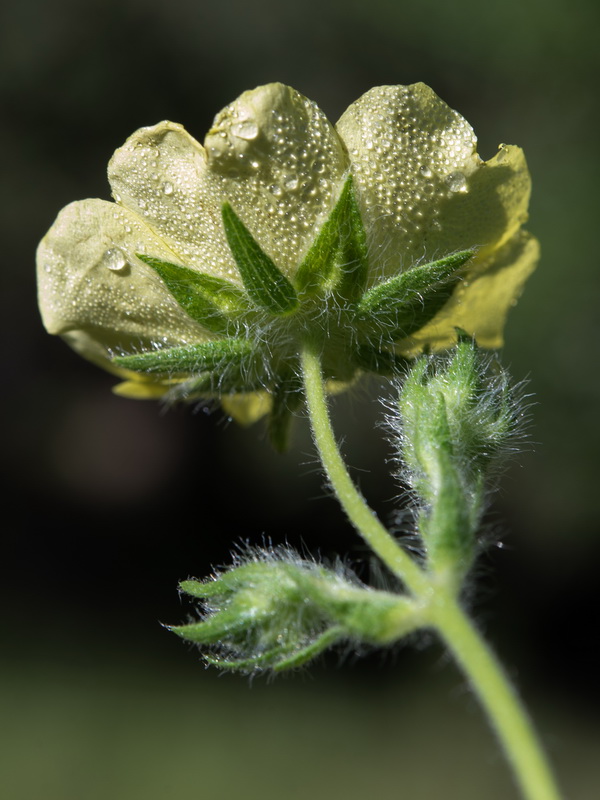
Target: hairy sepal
265,283
402,305
190,359
337,259
218,305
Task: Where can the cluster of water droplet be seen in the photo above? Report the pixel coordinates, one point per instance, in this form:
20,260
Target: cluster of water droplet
91,281
277,159
272,154
161,173
410,153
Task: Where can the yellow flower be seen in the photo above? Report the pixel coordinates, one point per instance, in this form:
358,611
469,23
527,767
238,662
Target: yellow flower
274,163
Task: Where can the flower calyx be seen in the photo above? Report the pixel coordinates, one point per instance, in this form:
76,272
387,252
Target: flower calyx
259,330
277,611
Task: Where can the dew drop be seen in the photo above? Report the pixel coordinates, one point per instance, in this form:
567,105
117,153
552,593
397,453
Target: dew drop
114,259
276,190
247,130
426,171
167,187
457,182
142,203
291,183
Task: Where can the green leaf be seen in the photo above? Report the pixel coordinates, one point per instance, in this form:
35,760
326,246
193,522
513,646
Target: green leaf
189,359
209,300
405,303
265,283
337,259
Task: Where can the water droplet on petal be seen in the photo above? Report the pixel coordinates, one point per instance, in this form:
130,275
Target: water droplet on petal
246,130
457,182
167,187
114,259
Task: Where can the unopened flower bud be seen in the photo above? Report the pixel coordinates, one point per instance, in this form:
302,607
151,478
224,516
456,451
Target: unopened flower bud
457,414
275,611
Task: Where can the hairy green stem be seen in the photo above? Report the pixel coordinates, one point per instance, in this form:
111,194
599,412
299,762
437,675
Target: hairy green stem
504,709
487,678
359,513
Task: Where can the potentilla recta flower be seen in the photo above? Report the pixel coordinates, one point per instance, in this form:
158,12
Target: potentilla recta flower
376,238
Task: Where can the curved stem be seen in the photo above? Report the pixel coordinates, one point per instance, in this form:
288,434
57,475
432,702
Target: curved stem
496,694
359,513
498,697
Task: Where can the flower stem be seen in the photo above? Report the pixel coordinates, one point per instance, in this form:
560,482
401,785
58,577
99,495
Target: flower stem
359,513
499,698
505,711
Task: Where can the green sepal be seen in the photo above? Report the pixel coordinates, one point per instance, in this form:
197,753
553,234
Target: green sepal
305,654
280,658
241,377
318,266
265,283
286,399
247,665
405,303
381,362
355,252
211,301
448,526
227,582
213,629
189,359
201,589
337,258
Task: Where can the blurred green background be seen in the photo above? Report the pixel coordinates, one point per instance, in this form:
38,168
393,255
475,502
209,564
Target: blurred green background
108,503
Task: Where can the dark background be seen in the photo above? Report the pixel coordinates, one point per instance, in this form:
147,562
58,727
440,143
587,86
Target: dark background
109,502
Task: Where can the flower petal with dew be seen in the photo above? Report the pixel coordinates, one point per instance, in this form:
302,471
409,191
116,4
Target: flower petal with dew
424,192
297,193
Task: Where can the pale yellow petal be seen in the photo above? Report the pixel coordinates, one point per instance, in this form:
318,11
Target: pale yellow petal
480,304
246,409
423,190
161,172
95,292
141,390
272,154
